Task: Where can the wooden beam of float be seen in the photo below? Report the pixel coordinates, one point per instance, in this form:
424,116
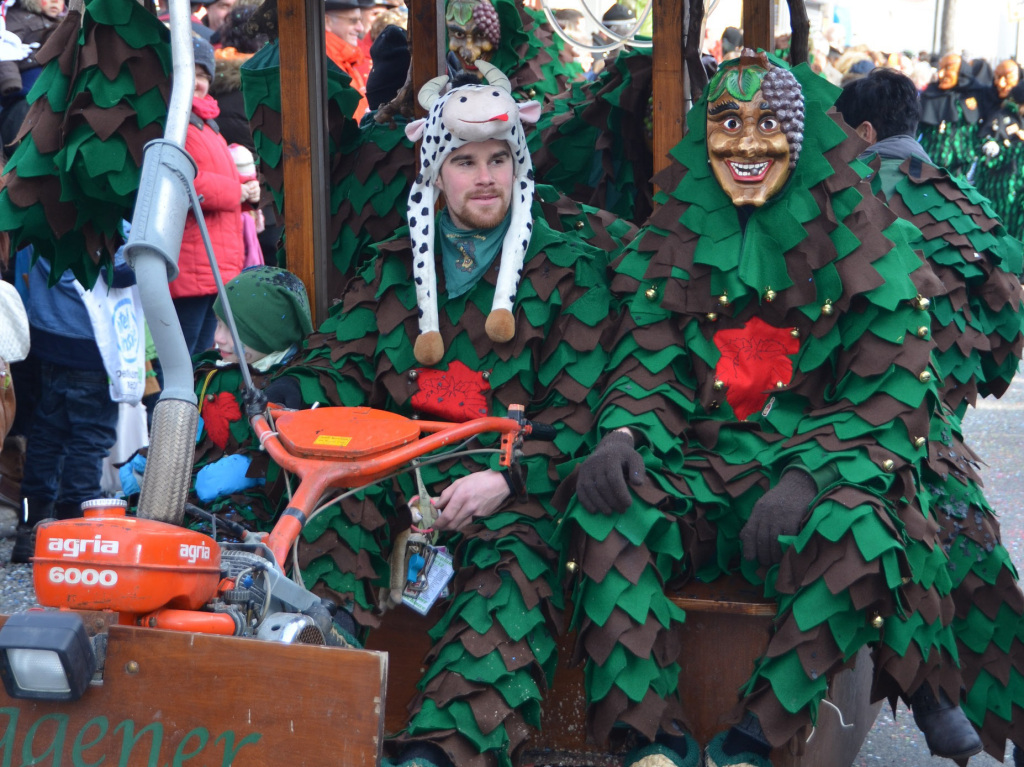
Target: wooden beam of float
304,146
667,78
758,30
427,37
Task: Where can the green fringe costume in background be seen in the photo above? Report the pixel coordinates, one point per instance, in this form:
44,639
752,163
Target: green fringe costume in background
949,131
592,146
494,651
856,414
101,96
537,62
1000,178
977,328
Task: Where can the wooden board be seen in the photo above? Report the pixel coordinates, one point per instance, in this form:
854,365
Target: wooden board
169,699
727,628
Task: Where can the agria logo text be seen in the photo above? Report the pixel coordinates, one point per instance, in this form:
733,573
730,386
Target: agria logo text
71,548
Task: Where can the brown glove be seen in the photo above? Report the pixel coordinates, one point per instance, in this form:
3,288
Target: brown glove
780,511
605,477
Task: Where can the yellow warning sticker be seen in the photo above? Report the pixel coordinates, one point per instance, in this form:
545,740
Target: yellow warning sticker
326,439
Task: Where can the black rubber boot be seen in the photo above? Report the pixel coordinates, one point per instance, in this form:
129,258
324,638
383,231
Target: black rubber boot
25,536
945,726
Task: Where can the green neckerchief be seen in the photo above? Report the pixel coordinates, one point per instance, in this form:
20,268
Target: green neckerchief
467,253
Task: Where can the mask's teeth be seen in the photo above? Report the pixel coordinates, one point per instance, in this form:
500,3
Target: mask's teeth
749,169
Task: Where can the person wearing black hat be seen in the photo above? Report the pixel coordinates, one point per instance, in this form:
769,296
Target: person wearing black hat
390,55
344,26
198,19
620,20
371,11
732,43
217,12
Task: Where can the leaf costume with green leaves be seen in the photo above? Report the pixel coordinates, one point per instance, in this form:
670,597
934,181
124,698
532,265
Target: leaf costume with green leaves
592,147
101,96
369,170
977,326
494,653
756,341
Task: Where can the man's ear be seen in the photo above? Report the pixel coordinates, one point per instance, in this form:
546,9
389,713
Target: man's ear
867,132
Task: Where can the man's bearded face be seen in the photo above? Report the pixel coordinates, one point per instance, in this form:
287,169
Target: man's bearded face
949,71
1007,75
748,151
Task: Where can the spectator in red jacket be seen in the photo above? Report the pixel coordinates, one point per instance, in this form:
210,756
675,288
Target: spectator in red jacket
222,194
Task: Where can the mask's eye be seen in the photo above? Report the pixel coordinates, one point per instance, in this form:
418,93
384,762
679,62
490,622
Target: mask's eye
731,124
769,124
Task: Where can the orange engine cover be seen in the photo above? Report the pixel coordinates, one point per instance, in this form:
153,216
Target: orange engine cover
108,561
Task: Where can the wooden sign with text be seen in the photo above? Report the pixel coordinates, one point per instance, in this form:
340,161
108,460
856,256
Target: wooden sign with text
171,699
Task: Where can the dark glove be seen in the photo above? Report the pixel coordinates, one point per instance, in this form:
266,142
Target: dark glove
285,391
602,484
780,511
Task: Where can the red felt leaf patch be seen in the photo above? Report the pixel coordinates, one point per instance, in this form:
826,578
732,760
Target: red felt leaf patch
755,359
456,394
219,412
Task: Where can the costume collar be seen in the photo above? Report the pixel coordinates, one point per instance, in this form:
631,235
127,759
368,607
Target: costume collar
466,254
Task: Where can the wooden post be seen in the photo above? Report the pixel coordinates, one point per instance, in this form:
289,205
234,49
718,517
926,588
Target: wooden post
758,31
304,141
667,79
427,37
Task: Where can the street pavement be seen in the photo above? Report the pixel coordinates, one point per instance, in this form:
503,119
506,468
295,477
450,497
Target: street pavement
995,430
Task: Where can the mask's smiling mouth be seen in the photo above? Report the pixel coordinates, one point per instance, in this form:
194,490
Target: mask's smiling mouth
749,172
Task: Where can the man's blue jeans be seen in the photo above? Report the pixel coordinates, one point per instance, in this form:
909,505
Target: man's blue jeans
73,429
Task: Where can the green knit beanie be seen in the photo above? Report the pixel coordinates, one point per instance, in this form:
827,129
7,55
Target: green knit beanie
270,307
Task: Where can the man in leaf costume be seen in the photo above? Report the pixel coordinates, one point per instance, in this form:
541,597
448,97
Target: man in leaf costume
768,408
1001,134
591,144
950,114
977,324
101,96
416,341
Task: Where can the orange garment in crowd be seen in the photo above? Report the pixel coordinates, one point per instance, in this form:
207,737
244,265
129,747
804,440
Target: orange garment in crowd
347,58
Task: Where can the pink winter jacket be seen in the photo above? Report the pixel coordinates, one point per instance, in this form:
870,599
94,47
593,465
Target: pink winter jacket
219,188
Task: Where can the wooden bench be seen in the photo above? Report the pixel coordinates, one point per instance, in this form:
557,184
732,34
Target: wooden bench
727,628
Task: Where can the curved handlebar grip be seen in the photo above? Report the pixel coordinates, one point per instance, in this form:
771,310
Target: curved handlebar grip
542,431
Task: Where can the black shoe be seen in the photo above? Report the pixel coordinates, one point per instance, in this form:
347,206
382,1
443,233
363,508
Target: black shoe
24,545
945,726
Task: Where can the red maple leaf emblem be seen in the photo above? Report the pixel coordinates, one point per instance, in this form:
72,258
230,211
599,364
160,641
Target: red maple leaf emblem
219,412
456,394
755,359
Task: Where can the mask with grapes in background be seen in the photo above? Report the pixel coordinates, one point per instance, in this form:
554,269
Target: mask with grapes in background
474,31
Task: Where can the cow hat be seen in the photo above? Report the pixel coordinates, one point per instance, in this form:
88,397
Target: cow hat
465,115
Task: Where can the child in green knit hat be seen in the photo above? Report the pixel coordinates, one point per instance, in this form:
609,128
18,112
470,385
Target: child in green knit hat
271,312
